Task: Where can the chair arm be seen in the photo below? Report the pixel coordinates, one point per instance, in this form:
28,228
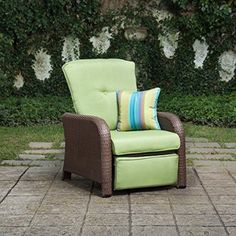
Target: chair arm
87,147
170,122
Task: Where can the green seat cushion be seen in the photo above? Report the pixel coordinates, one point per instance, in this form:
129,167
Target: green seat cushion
130,142
148,171
138,110
93,84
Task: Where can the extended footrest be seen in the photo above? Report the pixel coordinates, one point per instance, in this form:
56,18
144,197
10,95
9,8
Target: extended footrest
147,171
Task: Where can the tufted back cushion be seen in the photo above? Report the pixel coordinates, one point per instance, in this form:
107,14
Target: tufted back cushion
93,84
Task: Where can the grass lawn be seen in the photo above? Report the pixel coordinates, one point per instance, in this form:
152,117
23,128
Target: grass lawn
215,134
14,140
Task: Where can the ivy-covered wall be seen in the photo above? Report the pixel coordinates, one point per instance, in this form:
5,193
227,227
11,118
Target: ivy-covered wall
179,45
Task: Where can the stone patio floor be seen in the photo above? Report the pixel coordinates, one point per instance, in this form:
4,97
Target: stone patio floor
35,201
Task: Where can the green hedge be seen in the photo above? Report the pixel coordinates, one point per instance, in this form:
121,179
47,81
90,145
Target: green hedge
31,111
209,110
206,110
28,26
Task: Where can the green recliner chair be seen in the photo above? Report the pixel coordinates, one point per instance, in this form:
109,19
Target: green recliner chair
96,150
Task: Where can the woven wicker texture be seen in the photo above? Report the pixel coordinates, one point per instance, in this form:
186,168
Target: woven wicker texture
88,148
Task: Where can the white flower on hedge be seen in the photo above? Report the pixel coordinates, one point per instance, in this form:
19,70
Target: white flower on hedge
201,50
42,65
19,81
169,43
71,50
227,61
161,15
102,42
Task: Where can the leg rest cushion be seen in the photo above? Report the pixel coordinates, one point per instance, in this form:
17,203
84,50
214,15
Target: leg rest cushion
147,171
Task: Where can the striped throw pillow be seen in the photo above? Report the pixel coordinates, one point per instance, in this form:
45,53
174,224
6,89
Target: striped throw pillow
138,110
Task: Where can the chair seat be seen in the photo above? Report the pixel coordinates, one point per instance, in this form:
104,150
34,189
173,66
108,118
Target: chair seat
143,141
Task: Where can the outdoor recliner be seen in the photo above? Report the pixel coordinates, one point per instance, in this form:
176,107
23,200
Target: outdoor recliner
96,150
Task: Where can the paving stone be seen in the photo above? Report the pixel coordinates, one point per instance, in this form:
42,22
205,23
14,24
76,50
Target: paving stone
208,163
229,220
40,173
16,162
206,166
44,151
105,230
47,163
207,144
198,220
64,204
154,230
189,139
57,219
193,181
187,191
108,208
44,145
150,209
60,156
213,169
194,156
201,150
226,209
150,191
65,199
230,166
225,150
149,219
12,231
189,144
201,231
31,156
107,219
149,199
188,199
219,183
31,188
51,231
214,176
217,156
190,171
55,208
20,204
115,199
231,230
13,220
194,209
224,200
5,186
98,192
222,190
230,145
11,173
71,187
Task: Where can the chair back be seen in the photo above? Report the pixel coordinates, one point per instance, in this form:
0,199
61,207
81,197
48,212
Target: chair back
93,84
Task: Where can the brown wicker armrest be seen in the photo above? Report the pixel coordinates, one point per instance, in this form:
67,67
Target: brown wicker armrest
88,149
171,122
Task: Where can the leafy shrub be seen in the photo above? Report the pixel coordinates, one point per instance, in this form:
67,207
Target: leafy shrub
209,110
30,111
214,110
29,26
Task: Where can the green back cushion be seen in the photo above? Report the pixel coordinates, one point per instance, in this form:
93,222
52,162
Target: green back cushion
93,84
138,110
